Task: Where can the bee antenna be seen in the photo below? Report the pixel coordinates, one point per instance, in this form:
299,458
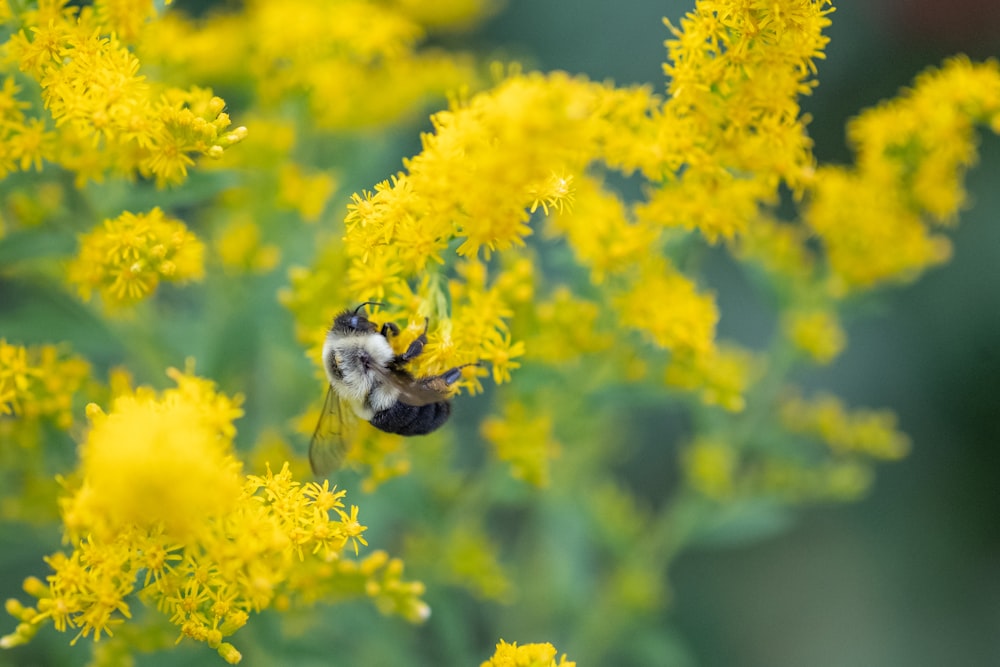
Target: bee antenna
368,303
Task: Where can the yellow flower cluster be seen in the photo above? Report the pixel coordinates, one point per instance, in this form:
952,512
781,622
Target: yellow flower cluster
787,469
720,377
817,333
126,18
448,15
877,220
305,192
108,117
523,439
714,155
716,469
160,508
461,187
528,655
39,383
870,433
736,71
563,328
124,259
711,467
355,62
38,386
239,247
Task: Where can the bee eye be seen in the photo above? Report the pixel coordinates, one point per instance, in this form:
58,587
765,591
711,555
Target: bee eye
356,322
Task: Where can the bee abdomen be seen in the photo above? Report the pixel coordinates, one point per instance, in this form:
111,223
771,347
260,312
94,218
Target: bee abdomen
411,420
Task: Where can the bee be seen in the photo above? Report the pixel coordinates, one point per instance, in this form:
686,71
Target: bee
369,381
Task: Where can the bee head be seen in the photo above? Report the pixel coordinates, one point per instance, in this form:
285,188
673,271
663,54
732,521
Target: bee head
354,322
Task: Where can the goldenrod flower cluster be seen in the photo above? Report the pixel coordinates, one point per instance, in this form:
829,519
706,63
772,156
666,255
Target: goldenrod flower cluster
526,655
703,148
878,220
524,440
867,432
352,62
107,117
39,383
160,510
125,259
39,387
451,241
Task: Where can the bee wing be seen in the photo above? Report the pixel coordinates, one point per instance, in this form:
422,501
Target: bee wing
412,392
331,437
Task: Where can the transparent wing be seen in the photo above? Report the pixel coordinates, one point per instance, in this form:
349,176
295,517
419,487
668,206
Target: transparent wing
412,392
334,431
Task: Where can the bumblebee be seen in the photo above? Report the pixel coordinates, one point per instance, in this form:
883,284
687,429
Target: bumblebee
369,381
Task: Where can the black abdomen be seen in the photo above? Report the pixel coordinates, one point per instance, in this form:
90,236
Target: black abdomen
412,420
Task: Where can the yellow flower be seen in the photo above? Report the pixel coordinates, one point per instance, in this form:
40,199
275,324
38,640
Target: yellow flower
816,332
305,192
556,193
528,655
40,382
500,352
239,247
125,18
31,145
157,463
718,205
601,236
736,71
523,438
160,495
125,258
872,433
780,248
665,305
107,117
566,328
351,529
720,377
325,54
711,467
870,235
875,220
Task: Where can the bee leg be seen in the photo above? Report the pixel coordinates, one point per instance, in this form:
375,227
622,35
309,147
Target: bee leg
440,383
389,328
452,375
416,347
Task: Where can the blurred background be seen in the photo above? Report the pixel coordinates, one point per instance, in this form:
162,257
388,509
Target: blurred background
911,575
908,576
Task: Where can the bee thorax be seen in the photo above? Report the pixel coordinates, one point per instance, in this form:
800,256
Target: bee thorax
354,366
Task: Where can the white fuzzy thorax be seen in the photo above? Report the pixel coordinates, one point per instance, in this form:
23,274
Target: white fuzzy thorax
364,389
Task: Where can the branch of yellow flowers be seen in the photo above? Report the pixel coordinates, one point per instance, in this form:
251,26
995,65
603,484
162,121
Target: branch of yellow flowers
712,175
878,219
715,153
108,118
158,508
